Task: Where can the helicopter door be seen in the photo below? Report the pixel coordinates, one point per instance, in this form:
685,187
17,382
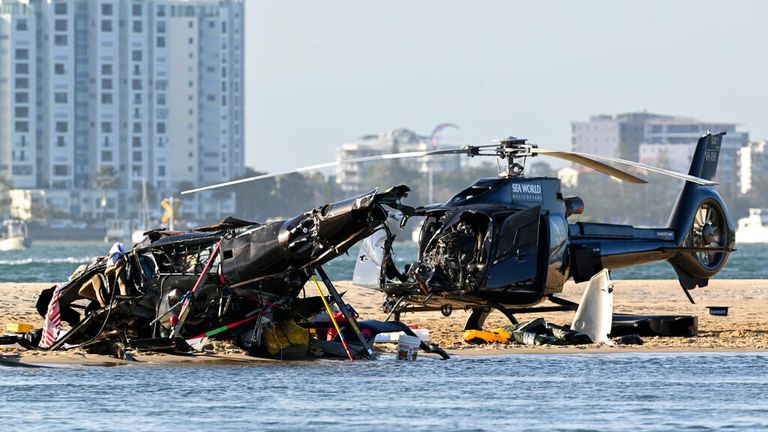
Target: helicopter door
515,260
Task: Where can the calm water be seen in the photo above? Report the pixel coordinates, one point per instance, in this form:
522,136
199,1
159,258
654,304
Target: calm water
55,261
618,392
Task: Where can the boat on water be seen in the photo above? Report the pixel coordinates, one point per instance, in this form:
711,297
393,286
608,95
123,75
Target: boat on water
14,235
118,230
753,228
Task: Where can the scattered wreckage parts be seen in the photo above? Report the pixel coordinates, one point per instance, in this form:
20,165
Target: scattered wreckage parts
236,280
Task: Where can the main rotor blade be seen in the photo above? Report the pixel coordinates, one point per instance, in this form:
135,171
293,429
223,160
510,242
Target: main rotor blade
403,155
587,161
642,166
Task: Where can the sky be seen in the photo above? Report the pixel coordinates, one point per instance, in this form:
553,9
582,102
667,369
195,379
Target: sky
322,73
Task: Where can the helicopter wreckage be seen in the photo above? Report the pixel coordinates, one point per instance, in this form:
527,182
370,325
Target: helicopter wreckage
236,279
503,243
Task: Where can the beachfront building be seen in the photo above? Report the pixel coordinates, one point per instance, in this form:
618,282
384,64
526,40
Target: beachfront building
352,178
100,96
661,140
753,168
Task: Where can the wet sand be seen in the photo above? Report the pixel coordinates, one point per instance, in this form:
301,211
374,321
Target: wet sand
744,329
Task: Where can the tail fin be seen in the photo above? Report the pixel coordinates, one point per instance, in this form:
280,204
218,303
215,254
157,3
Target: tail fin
701,220
704,163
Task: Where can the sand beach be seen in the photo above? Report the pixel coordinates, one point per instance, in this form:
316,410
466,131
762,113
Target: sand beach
744,329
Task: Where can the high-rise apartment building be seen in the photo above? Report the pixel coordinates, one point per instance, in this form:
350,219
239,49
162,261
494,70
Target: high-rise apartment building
99,96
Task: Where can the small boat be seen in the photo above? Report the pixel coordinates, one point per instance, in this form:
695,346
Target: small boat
753,228
14,235
118,230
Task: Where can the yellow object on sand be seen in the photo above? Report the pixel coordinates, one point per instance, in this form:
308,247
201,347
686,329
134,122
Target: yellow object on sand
497,335
19,327
286,334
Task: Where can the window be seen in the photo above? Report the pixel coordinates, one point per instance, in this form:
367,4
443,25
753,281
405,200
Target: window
22,97
136,141
106,26
191,41
22,170
60,98
161,128
137,28
60,8
191,24
136,10
106,84
161,42
21,112
137,156
137,128
60,141
161,26
106,127
106,98
136,55
61,126
61,170
22,68
160,99
161,11
60,25
223,27
161,171
106,9
106,156
22,126
22,54
58,69
22,83
21,25
106,69
136,84
60,40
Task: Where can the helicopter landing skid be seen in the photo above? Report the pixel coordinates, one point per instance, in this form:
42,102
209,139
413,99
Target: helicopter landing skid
480,313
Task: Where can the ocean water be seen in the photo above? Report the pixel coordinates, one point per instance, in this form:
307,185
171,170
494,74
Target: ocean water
584,392
54,261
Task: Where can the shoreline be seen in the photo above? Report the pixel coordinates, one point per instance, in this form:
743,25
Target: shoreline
744,330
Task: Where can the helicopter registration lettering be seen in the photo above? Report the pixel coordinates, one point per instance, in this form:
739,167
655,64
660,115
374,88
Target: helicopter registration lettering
526,192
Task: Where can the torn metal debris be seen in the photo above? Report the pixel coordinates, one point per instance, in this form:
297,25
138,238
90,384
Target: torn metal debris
236,280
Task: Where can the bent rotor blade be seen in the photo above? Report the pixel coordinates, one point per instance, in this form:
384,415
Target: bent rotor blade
587,161
404,155
662,171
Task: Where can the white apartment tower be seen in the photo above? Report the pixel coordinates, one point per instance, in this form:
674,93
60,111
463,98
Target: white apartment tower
102,95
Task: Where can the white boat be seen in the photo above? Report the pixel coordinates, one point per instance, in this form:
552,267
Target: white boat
753,228
14,235
118,230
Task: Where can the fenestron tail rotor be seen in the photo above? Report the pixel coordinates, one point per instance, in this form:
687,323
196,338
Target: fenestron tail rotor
508,148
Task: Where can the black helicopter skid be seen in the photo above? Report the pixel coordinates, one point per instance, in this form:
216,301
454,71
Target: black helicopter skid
481,308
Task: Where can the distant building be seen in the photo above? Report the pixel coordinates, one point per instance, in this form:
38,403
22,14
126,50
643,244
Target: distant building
352,177
105,94
753,166
659,140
